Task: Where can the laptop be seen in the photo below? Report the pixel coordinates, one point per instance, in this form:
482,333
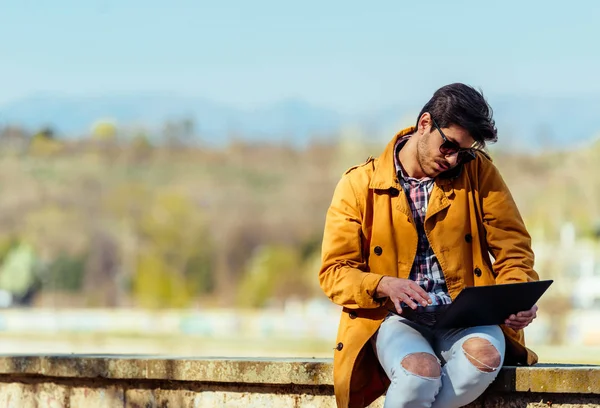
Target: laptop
479,305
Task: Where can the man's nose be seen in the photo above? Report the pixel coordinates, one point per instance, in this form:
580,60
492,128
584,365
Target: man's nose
452,159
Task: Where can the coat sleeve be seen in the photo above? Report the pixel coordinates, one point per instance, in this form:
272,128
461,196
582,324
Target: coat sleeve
343,275
506,235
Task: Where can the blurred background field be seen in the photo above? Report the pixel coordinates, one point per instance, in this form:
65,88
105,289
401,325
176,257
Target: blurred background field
199,251
164,191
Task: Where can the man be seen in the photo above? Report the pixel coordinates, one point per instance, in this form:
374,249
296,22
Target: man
415,227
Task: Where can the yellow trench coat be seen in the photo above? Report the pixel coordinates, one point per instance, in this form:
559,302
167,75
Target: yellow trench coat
369,233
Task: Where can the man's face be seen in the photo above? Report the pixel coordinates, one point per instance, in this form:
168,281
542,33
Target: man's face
431,160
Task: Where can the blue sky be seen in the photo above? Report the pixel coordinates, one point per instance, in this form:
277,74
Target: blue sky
346,55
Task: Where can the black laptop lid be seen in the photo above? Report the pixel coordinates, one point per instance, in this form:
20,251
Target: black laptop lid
487,305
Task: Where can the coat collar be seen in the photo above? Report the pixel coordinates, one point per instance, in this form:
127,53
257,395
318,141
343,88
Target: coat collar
385,176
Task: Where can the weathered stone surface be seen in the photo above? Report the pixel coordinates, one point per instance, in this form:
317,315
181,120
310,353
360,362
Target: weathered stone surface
17,396
175,398
261,371
257,371
219,398
542,378
136,398
21,364
550,378
252,400
91,397
51,395
537,400
152,382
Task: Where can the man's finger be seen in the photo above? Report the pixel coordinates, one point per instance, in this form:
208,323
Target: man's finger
423,301
516,325
409,302
397,306
521,319
422,294
527,313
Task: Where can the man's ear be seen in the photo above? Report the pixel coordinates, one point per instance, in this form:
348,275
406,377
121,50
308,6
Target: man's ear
424,123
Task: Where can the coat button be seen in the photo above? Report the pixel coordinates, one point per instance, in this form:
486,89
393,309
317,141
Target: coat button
468,238
339,346
394,192
378,250
477,272
352,315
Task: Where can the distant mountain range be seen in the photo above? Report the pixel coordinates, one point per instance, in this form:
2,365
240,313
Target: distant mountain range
523,121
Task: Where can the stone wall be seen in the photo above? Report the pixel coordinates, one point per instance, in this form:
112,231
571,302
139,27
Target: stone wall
151,381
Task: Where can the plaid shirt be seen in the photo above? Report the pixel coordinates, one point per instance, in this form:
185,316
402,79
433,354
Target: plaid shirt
426,269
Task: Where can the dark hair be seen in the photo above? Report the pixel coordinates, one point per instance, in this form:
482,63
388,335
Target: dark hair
463,106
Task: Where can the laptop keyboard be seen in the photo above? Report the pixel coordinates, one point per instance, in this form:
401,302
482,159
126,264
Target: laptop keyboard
424,318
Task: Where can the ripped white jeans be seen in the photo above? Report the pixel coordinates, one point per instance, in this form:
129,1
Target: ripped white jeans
460,382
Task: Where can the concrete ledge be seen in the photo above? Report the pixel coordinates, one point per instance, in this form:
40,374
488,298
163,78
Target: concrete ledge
252,380
219,370
540,378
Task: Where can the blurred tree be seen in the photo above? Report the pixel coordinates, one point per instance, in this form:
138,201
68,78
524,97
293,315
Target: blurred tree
273,274
104,130
66,272
188,130
13,133
310,253
268,265
175,251
140,147
157,285
352,149
557,307
596,231
7,244
53,229
18,273
200,271
44,143
237,235
13,140
102,267
179,133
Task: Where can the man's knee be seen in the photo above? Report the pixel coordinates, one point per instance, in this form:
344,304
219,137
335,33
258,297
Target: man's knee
422,364
482,354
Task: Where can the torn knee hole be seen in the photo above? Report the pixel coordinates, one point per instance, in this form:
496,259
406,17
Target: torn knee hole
422,364
482,354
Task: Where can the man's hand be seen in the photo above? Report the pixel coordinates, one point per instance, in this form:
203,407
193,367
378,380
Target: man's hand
402,290
521,319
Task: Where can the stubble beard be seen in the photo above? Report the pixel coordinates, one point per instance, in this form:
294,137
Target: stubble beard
423,160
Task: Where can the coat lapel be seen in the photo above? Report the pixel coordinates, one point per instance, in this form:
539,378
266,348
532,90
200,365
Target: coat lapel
441,197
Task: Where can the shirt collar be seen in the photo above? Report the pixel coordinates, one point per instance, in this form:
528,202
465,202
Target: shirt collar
399,169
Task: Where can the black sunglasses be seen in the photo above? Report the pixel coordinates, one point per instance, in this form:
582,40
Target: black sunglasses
450,148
